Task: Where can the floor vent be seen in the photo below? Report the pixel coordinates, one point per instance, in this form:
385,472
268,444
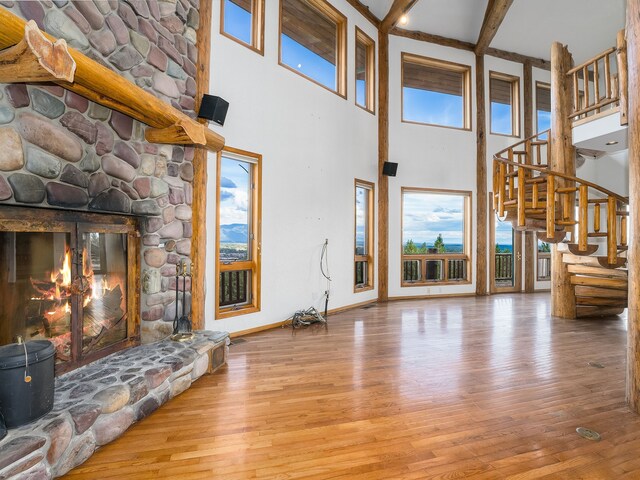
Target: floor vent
588,434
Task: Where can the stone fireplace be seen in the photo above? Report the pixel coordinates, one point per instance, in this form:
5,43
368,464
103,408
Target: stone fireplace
70,278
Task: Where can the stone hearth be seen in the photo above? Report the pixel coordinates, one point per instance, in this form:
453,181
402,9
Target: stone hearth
95,404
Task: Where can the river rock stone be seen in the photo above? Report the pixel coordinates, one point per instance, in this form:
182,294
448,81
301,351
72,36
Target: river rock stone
78,124
172,230
33,11
78,19
62,195
90,12
79,451
19,447
77,102
103,6
126,58
61,26
17,95
141,7
126,153
186,172
46,104
119,29
111,201
84,415
155,257
158,187
147,164
146,407
157,58
167,47
5,189
169,215
145,207
183,212
60,432
11,155
172,23
90,163
118,168
142,186
6,115
27,188
138,389
147,30
122,124
49,137
74,176
153,224
127,14
165,84
42,163
109,427
104,139
98,112
133,195
104,41
183,247
113,398
176,195
139,42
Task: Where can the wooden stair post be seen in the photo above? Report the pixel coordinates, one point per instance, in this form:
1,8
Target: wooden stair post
633,253
562,159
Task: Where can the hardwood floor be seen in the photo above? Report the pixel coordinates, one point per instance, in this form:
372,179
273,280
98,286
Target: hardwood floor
486,387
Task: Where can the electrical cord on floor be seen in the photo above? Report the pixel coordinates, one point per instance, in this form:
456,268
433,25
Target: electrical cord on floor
324,261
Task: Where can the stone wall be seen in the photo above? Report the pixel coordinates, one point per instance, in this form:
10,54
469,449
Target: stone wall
59,150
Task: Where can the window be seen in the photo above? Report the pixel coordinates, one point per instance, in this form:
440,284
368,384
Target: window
504,91
436,239
543,261
364,236
435,92
238,221
243,21
543,106
365,71
313,42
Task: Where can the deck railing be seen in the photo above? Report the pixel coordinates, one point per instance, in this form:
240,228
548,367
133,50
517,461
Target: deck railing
544,266
503,266
434,268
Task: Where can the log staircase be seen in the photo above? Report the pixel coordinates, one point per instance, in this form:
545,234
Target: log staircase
535,198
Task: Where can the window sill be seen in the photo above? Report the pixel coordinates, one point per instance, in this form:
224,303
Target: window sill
259,51
413,122
434,282
231,312
291,69
364,288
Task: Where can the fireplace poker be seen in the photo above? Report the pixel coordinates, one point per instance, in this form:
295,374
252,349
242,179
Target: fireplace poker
175,320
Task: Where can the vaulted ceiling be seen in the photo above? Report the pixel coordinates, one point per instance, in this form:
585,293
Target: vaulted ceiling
529,27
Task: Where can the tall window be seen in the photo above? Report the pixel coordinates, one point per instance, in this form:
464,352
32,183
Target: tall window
435,92
543,266
313,41
543,106
238,220
365,71
243,21
436,237
504,91
364,236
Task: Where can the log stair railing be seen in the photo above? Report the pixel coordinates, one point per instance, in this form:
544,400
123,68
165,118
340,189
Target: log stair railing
535,198
29,55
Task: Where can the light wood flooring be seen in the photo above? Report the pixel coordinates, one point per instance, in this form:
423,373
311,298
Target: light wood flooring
486,387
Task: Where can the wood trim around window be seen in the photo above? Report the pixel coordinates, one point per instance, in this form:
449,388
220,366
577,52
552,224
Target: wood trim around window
465,70
255,263
257,26
370,240
544,86
514,81
466,233
370,73
324,8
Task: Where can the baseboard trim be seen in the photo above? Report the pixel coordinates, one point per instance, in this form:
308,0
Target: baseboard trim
427,297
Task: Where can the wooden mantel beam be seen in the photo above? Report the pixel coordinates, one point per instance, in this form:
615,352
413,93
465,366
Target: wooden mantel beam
495,13
398,8
101,85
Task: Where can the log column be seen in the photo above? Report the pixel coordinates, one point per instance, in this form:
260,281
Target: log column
530,243
481,180
563,302
633,254
383,155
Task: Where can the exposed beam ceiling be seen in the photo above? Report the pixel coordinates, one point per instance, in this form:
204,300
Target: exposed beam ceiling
399,8
365,12
493,17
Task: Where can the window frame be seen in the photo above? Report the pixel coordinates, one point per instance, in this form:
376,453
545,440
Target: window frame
545,86
545,256
465,70
370,236
257,26
466,235
255,220
324,8
370,71
514,80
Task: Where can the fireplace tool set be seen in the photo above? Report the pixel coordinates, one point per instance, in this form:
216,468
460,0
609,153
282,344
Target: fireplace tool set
182,322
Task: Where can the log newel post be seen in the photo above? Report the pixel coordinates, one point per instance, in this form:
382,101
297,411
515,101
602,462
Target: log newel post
633,253
562,159
531,244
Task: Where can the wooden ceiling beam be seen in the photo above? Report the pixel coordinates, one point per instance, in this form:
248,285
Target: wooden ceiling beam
398,8
365,12
493,17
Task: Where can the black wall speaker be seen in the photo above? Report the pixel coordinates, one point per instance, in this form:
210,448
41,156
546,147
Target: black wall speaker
213,108
390,169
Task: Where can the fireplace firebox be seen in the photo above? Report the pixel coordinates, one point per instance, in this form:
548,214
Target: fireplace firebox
71,278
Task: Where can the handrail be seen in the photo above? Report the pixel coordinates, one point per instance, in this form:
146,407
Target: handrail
591,60
537,135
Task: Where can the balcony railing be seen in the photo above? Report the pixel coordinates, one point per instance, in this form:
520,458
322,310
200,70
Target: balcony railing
544,266
435,268
234,287
504,267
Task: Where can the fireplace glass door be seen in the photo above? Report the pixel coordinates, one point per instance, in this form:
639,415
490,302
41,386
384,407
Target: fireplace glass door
67,285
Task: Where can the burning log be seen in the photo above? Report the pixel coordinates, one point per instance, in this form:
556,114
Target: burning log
47,289
103,312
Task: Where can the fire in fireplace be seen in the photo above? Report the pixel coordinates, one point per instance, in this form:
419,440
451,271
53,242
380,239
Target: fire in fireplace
70,282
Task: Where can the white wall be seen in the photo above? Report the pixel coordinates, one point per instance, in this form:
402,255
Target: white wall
314,144
428,157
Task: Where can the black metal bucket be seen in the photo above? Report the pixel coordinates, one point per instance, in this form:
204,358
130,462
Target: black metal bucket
26,381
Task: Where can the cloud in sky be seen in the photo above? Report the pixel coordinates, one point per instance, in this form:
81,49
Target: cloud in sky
426,215
227,183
